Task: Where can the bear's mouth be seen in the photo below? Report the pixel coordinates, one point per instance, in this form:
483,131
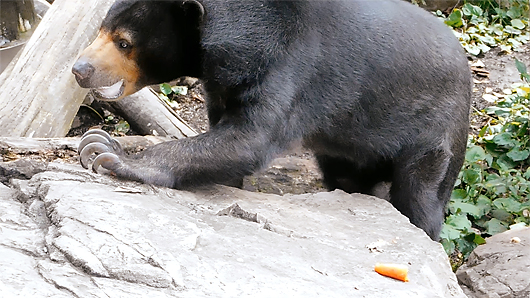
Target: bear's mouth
110,92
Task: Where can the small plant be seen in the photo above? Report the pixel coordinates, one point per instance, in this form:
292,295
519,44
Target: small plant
493,188
479,28
169,92
121,127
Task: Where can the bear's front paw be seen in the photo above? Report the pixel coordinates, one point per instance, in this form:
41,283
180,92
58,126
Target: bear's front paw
108,150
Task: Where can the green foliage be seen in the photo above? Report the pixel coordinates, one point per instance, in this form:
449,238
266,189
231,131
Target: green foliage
485,25
121,127
169,91
522,70
493,188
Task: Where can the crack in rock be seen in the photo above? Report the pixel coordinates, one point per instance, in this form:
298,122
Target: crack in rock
101,254
80,256
171,267
65,276
236,211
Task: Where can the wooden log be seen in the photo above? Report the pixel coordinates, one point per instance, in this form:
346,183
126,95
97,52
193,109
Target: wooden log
36,145
39,96
148,114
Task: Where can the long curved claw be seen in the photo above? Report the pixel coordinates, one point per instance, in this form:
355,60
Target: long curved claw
97,141
93,138
98,132
107,160
89,149
115,145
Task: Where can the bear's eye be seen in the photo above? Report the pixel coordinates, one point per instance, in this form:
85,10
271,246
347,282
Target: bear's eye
123,44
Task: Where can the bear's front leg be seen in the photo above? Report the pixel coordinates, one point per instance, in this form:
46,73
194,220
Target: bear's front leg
228,152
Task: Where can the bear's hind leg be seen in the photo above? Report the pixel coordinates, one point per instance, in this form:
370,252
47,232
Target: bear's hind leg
421,187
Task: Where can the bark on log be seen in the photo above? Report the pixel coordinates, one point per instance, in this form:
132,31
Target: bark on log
39,96
36,145
149,115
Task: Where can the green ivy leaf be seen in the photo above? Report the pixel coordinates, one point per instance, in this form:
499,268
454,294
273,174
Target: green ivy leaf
523,38
505,139
165,88
484,205
505,163
514,42
455,19
502,112
479,240
514,12
495,226
459,221
497,29
521,67
501,214
512,30
449,232
458,194
505,47
469,9
508,204
483,47
466,244
472,49
467,208
518,24
517,155
488,40
471,176
122,127
448,245
475,153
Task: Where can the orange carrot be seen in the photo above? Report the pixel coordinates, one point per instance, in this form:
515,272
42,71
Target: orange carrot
396,271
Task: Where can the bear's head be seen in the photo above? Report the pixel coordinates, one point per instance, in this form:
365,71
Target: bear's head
141,43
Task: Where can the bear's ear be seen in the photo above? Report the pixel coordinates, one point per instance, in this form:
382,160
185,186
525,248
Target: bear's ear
194,7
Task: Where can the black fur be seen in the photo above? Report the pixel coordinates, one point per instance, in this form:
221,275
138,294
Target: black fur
378,90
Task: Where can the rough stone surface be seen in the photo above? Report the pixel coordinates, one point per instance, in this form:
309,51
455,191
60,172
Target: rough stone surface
500,268
79,234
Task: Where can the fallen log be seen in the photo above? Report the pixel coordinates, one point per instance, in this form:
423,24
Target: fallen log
148,114
35,145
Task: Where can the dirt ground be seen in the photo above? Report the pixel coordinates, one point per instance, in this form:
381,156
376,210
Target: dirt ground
499,74
296,172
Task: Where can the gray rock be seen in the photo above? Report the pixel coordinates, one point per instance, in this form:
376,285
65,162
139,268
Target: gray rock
499,268
107,238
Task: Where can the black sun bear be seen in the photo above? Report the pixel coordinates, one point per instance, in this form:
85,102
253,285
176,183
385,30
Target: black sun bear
378,90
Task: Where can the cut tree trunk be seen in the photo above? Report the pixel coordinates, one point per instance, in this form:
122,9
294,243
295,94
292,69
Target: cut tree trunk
39,96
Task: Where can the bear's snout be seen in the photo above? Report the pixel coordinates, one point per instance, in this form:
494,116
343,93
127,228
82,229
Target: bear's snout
83,71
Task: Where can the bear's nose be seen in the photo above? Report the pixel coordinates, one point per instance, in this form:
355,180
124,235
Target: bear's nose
82,70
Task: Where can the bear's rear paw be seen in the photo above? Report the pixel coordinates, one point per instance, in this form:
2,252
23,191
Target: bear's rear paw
107,149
